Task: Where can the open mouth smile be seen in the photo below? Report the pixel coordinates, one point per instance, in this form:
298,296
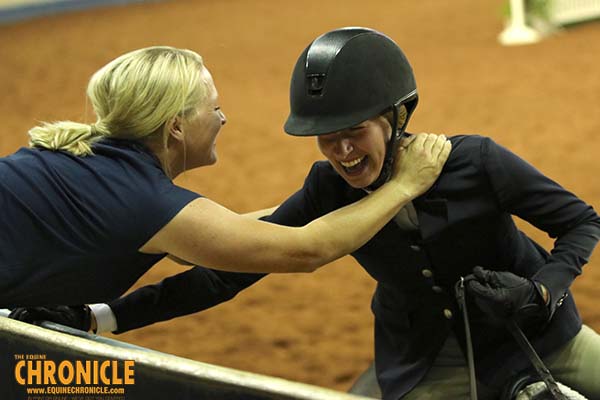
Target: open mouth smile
356,166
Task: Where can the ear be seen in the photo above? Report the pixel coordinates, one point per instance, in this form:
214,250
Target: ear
174,128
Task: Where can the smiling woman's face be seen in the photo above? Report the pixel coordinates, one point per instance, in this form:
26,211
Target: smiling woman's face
202,128
357,153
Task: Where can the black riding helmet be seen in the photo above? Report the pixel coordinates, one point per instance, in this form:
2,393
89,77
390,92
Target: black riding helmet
345,77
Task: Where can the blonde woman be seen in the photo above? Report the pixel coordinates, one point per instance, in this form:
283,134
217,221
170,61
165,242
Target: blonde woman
87,209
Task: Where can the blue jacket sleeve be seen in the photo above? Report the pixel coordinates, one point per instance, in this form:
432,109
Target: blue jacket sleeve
191,291
201,288
525,192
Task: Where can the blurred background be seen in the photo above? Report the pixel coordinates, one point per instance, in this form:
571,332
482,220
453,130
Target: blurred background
539,100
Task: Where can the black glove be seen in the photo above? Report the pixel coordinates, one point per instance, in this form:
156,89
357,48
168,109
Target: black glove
78,317
502,295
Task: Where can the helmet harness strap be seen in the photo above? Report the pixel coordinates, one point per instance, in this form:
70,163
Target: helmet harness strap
392,145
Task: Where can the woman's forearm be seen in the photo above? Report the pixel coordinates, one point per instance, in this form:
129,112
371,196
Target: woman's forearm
260,213
344,230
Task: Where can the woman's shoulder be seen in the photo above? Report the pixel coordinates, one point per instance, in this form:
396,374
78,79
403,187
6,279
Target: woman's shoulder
467,142
467,149
122,178
126,163
128,150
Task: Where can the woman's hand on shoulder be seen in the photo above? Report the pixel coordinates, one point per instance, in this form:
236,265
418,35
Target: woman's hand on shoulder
420,161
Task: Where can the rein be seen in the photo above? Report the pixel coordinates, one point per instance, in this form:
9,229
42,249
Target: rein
519,337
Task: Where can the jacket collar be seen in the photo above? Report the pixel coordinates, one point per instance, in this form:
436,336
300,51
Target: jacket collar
432,210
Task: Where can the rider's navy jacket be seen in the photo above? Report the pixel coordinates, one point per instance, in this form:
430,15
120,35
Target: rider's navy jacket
464,221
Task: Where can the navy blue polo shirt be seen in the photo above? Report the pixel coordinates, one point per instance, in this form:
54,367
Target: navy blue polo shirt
71,227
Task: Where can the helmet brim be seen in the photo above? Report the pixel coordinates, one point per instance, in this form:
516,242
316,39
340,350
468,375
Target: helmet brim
315,125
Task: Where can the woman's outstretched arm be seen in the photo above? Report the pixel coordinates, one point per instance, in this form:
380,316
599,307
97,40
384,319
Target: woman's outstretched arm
208,234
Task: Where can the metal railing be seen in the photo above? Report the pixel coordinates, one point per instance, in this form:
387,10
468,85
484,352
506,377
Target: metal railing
157,375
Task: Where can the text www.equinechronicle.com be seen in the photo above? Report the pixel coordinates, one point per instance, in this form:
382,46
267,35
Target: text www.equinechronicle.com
75,390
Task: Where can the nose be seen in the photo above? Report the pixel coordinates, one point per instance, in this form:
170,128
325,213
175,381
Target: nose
223,117
343,147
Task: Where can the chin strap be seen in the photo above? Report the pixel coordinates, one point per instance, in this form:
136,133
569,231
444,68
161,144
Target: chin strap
390,151
392,146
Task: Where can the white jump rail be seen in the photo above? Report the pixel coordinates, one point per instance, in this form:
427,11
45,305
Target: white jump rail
564,12
558,13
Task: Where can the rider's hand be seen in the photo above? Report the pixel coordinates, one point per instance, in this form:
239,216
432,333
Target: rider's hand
502,295
420,161
78,317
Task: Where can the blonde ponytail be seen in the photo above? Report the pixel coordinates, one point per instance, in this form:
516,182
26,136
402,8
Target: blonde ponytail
74,137
133,96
